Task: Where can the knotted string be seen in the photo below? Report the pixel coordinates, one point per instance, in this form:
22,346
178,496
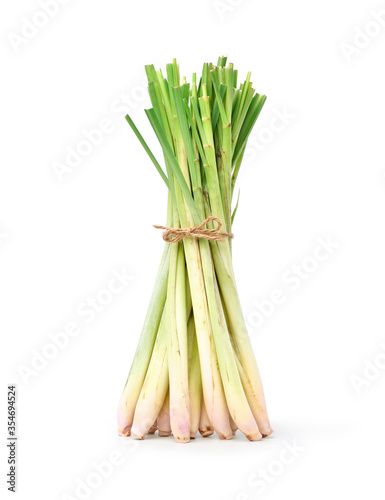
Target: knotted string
175,234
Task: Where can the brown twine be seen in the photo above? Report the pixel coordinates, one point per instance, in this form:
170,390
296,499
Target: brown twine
175,234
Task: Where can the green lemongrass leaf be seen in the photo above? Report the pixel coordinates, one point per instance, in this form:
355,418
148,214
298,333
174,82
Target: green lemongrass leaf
209,165
205,87
154,99
150,72
219,73
254,110
243,105
236,208
192,117
229,78
163,85
209,83
205,111
186,91
236,105
215,113
173,74
245,88
170,74
218,140
194,89
178,96
235,76
173,164
166,101
242,115
159,106
219,100
175,69
244,91
199,86
198,119
172,99
222,61
236,102
249,122
147,149
195,162
195,133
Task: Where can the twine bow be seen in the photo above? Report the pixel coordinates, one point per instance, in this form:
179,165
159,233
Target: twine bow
175,234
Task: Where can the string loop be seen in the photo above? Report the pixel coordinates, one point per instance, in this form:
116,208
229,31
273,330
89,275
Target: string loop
175,234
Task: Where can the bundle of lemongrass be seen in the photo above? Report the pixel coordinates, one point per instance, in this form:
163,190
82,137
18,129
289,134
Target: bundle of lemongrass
194,367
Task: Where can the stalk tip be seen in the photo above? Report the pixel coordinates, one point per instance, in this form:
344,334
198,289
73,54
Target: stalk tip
269,432
137,435
164,433
182,439
124,432
256,436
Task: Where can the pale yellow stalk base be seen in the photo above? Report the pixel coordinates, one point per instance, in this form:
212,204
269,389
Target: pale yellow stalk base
163,421
154,389
176,333
195,380
205,427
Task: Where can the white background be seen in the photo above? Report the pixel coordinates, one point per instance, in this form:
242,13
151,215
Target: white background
321,175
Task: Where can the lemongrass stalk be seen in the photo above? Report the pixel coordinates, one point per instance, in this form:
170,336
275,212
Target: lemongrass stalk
213,391
143,352
211,379
258,409
245,359
205,427
163,420
195,379
176,313
155,386
212,386
235,397
223,251
225,275
176,321
242,342
232,358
